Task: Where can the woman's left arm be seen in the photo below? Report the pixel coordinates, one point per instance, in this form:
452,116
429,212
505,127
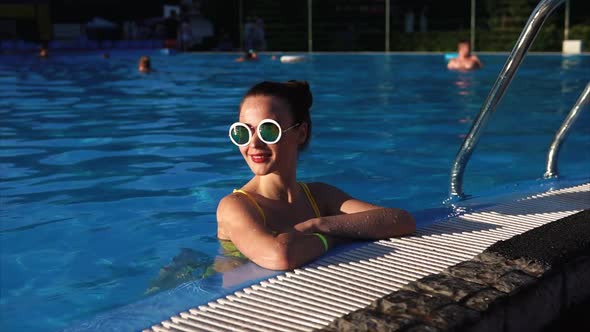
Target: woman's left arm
351,218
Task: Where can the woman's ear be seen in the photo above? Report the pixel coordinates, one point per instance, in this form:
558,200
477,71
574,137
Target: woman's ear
302,133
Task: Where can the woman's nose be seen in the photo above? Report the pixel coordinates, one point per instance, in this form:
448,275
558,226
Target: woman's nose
256,141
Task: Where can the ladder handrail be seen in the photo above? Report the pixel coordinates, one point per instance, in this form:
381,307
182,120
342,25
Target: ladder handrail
560,135
524,42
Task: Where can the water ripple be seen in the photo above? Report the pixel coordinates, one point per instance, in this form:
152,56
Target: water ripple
106,173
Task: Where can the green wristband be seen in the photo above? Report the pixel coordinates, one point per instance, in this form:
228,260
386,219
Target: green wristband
324,241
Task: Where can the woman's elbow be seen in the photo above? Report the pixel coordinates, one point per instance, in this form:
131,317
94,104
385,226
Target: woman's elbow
404,223
278,263
278,258
407,222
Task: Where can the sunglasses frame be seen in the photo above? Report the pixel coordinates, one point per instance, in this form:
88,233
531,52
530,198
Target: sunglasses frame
265,121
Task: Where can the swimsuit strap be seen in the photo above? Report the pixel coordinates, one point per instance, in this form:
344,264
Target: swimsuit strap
314,205
253,202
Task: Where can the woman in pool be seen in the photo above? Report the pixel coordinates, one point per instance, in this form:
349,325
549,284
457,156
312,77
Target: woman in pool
275,221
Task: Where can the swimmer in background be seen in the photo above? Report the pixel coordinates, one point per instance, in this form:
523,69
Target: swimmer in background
44,49
464,60
43,52
248,56
274,220
145,64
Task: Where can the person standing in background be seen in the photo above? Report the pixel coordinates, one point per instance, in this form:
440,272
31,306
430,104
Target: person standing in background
259,35
409,21
249,33
423,19
171,24
186,35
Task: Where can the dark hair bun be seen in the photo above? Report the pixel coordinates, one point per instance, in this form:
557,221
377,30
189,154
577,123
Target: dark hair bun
303,93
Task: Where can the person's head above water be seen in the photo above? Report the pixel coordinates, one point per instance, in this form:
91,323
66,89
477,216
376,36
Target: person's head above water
274,125
145,64
464,48
251,55
43,53
44,49
287,103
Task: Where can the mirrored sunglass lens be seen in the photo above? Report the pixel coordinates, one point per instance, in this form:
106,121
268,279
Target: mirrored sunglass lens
240,134
269,132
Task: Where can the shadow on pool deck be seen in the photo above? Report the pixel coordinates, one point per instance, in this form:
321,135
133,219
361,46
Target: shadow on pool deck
546,204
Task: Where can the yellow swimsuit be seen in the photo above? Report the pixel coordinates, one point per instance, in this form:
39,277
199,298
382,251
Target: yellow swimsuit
305,188
231,250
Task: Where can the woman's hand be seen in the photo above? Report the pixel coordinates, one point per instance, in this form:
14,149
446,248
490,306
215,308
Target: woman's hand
308,226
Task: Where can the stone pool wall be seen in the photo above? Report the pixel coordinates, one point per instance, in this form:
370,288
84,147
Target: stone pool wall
522,284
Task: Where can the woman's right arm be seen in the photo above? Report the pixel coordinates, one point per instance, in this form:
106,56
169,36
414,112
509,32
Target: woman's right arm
347,217
240,222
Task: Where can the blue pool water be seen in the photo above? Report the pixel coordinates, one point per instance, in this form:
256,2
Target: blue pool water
107,174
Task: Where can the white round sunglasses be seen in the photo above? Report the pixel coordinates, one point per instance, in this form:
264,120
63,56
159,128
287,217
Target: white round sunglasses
269,131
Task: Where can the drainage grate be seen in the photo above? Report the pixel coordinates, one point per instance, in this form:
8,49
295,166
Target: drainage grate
311,297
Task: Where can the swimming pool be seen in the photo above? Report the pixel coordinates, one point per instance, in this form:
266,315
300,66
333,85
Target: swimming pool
108,174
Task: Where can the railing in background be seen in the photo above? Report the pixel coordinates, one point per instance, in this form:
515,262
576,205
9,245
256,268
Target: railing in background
309,26
524,42
362,25
387,25
553,154
566,23
472,25
338,25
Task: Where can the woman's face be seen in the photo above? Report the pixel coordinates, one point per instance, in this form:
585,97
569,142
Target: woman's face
270,158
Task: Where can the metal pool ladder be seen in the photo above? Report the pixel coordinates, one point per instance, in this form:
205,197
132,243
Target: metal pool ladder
583,100
524,42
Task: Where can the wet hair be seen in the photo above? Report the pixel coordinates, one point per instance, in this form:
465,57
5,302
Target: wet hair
295,93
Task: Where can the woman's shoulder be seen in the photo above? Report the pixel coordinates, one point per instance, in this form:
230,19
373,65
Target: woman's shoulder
235,210
325,190
328,197
234,202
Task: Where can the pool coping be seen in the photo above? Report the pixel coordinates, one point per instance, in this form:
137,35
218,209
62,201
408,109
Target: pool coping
505,288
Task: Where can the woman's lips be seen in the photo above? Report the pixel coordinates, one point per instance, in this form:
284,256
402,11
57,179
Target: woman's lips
259,158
